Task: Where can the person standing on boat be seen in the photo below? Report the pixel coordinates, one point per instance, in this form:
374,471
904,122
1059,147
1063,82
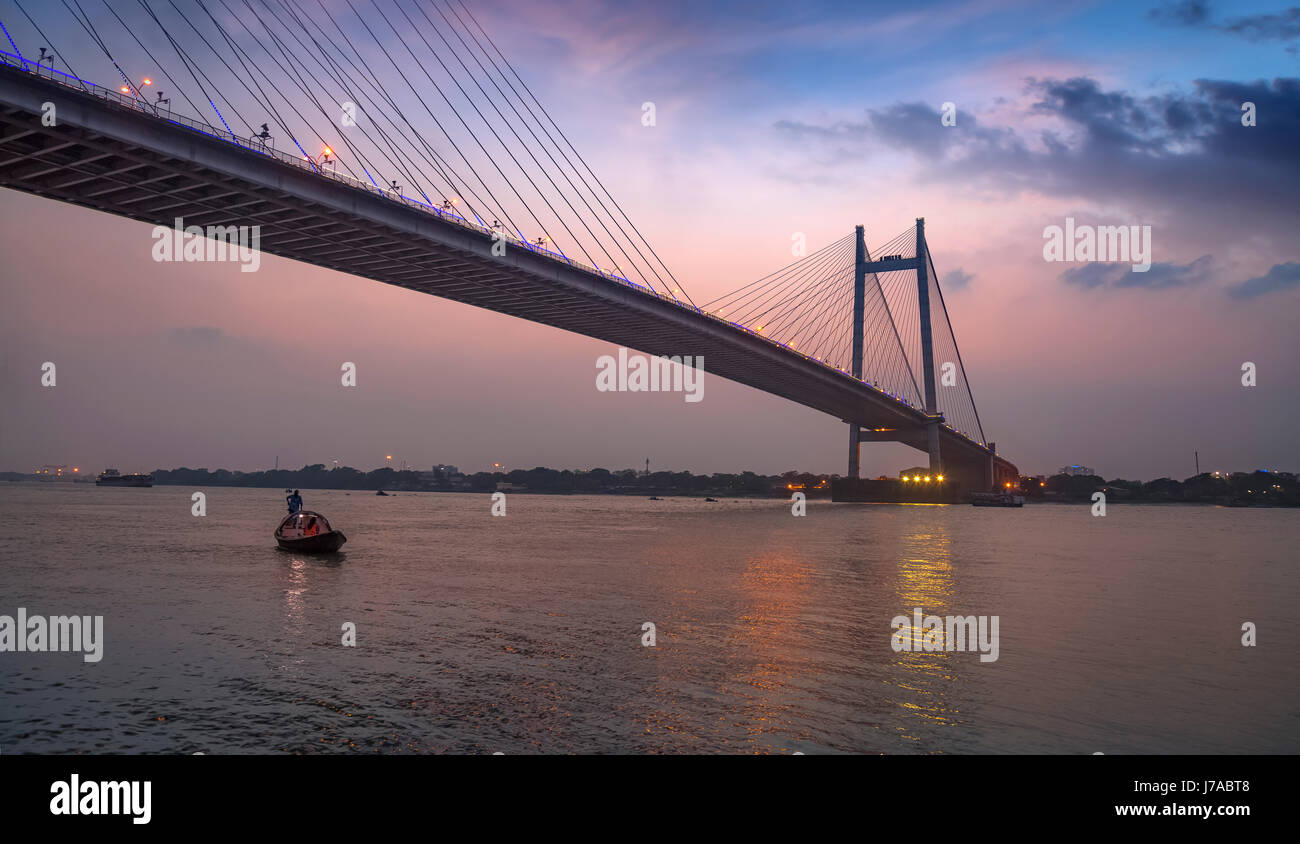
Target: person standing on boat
294,501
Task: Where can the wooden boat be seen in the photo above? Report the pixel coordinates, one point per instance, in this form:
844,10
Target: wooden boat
308,533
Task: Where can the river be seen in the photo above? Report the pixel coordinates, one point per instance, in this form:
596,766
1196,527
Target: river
524,633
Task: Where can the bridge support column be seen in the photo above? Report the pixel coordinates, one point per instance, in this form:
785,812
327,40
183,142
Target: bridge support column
990,475
855,450
859,306
927,344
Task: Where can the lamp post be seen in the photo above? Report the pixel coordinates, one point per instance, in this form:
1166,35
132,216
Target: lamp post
135,90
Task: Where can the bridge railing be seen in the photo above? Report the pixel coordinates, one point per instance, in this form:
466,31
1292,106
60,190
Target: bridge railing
131,100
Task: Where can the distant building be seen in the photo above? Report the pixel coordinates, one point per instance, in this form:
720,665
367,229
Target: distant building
442,474
1076,470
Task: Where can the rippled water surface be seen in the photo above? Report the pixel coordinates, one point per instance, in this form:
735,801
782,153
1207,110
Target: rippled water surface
478,634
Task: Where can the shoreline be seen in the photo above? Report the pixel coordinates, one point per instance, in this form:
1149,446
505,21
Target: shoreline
721,495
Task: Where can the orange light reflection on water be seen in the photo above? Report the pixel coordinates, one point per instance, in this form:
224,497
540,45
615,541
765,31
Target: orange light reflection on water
778,587
925,580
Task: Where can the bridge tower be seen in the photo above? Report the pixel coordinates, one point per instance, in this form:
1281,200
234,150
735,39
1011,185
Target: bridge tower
927,345
859,306
921,263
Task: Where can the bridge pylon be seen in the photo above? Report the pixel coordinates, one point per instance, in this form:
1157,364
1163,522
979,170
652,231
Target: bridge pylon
921,263
859,306
927,346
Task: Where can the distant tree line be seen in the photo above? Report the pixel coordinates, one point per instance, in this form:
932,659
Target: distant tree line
540,479
1278,489
315,476
1238,488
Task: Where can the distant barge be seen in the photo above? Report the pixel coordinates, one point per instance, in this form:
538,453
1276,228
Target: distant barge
112,477
896,491
997,499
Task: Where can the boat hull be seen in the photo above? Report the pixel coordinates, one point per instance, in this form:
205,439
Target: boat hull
984,499
321,543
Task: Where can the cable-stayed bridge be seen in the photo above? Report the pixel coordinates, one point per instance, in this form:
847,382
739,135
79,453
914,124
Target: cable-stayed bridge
860,334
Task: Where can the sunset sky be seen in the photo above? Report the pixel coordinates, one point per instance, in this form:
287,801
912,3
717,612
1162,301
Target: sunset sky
771,119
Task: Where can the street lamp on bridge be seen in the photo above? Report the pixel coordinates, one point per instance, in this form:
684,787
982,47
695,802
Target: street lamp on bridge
134,90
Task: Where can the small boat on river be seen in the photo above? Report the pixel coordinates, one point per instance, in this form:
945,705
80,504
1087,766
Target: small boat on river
308,533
